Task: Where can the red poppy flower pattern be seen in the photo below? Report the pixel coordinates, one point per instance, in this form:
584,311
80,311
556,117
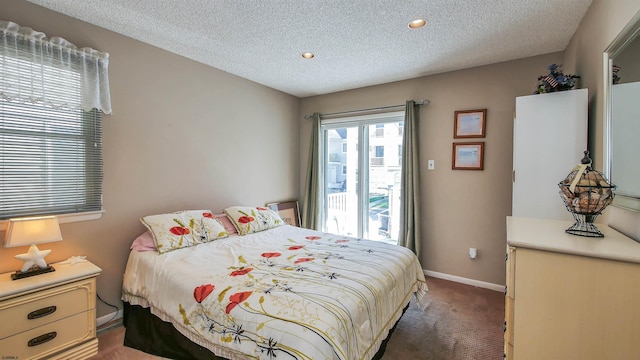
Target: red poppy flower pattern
261,208
201,292
241,272
207,215
269,255
236,299
246,219
276,278
305,259
180,230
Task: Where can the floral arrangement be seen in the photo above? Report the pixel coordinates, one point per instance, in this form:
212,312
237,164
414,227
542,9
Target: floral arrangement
555,81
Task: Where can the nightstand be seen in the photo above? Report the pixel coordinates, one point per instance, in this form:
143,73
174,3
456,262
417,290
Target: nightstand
50,316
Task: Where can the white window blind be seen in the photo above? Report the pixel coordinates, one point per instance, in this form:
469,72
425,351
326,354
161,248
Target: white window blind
50,160
50,152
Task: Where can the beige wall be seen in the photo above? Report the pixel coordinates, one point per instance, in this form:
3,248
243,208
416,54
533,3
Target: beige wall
600,26
463,209
182,136
460,209
583,56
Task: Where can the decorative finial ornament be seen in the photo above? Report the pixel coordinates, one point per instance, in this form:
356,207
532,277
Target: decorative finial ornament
586,159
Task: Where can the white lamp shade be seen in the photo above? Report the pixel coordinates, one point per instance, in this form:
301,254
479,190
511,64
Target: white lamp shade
34,230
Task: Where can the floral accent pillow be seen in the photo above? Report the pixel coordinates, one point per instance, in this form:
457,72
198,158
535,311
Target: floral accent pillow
183,229
226,222
253,219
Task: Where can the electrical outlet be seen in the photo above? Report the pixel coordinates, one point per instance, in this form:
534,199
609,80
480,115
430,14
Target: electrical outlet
431,164
473,253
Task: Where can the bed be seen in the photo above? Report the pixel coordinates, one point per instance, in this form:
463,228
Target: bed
272,291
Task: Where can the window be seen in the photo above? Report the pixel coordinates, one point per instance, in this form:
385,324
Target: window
378,158
379,151
50,149
379,132
344,147
364,201
50,160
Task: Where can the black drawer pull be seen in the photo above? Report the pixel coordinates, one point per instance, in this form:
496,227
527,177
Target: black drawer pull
41,312
38,340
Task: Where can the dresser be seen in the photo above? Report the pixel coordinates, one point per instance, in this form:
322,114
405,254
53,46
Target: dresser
50,316
570,297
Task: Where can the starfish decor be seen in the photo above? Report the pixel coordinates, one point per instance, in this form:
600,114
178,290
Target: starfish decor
32,258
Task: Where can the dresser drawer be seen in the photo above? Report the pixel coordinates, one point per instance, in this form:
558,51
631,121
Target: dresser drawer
508,352
508,333
36,309
46,340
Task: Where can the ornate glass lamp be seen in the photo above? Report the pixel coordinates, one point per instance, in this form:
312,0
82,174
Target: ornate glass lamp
32,231
586,193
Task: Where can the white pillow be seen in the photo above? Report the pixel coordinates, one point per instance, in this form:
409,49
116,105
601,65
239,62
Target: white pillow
253,219
183,229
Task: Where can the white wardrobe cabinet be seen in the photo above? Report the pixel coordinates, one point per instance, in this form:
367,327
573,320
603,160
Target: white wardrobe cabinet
549,138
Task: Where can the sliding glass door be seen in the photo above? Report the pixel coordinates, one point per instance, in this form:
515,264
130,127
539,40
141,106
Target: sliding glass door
362,159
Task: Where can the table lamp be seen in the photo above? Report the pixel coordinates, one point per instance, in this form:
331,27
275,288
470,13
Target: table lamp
32,231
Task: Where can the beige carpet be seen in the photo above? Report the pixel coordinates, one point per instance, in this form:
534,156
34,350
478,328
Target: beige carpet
461,322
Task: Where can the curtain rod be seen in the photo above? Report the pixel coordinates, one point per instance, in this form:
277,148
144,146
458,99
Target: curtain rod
418,102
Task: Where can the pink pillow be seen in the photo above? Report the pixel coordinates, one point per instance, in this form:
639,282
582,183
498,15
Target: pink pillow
144,242
228,225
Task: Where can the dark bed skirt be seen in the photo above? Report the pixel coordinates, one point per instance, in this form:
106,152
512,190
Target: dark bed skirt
146,332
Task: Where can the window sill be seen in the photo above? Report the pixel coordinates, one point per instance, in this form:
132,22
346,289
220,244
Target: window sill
68,218
77,217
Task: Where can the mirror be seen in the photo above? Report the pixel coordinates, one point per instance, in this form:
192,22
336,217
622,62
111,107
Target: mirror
622,115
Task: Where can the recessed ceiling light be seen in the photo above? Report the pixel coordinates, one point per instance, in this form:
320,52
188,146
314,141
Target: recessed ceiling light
417,23
307,55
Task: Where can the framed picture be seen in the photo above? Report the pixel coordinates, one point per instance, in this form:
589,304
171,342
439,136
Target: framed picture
469,124
288,211
468,156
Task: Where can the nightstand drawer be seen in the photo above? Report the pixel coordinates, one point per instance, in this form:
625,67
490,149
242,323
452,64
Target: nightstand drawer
51,338
36,309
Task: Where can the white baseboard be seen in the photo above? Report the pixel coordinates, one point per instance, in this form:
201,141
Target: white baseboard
108,318
466,281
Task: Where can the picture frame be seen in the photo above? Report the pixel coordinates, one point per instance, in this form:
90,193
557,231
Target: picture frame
288,211
468,156
469,124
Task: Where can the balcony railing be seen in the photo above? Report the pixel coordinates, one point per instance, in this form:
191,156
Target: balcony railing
337,201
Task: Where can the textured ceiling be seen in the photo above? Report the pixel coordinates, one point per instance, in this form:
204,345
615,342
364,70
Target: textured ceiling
356,42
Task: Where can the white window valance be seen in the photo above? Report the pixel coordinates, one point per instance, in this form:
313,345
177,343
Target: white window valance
32,69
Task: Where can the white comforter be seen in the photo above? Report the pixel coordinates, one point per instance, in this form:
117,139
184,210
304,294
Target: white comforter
287,292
